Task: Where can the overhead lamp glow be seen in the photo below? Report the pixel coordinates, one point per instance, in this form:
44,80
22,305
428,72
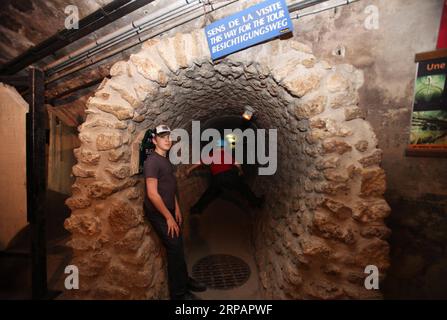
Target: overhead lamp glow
248,113
231,138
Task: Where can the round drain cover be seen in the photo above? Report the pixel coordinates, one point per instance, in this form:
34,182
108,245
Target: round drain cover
221,271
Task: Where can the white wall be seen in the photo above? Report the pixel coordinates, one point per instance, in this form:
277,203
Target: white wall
13,111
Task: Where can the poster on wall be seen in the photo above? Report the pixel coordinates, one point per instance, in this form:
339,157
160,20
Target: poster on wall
428,131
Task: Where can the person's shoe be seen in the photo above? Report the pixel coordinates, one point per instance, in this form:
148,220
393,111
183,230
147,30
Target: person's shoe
190,296
187,296
195,285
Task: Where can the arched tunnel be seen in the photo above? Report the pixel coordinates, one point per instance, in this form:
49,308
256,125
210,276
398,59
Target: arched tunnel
322,222
339,108
219,242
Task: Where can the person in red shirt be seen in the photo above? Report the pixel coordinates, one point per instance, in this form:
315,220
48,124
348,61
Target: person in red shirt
224,175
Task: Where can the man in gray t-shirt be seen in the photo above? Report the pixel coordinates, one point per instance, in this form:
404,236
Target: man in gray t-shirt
159,167
162,210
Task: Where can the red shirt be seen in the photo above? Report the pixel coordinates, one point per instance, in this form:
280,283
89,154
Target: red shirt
217,167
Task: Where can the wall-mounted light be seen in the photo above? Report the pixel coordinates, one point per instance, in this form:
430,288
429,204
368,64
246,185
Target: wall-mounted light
248,113
231,139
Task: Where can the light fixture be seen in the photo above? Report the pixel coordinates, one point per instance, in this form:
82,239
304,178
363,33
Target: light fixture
248,113
231,139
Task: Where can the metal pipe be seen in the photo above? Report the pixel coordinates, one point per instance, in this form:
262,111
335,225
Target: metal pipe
293,7
90,83
101,17
300,5
132,27
120,38
152,24
340,4
132,30
137,41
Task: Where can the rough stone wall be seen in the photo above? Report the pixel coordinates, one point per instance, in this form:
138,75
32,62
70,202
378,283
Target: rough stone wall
323,222
416,187
386,57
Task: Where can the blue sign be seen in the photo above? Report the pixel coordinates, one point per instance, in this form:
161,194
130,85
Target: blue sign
256,24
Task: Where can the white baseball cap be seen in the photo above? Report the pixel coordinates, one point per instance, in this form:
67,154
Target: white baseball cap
162,129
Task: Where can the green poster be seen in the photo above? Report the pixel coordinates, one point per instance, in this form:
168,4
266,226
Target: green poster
428,130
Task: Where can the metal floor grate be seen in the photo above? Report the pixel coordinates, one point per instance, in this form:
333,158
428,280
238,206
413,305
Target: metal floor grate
221,271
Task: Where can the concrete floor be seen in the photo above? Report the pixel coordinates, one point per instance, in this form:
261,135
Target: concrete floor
223,228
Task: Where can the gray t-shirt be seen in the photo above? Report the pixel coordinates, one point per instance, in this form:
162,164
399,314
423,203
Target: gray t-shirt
160,168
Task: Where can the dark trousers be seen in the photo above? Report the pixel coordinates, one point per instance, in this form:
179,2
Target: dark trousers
177,270
229,180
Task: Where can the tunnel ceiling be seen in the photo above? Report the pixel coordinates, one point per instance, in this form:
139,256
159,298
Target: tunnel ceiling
26,23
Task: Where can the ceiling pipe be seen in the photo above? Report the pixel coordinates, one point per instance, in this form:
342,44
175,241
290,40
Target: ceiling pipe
300,5
90,61
337,4
96,20
139,26
121,34
119,38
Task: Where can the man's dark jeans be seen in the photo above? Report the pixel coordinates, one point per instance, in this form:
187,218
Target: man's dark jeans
177,270
229,180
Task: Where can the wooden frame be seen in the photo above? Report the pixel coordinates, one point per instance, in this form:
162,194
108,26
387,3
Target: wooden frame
34,84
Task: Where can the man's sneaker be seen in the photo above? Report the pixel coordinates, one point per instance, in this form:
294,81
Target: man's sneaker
187,296
190,296
195,285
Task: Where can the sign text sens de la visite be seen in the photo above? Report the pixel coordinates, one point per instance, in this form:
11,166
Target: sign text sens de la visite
256,24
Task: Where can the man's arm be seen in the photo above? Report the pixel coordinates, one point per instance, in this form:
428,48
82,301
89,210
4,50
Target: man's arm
178,213
155,198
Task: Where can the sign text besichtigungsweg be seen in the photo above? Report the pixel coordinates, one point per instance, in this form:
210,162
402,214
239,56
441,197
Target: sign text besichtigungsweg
256,24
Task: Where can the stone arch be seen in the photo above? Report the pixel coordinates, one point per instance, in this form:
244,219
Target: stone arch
323,223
